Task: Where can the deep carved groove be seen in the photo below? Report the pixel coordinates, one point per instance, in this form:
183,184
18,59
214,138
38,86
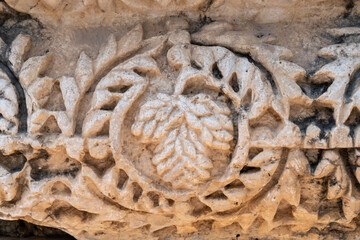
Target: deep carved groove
199,208
236,184
218,195
234,83
353,121
275,176
216,71
352,86
321,116
137,191
13,162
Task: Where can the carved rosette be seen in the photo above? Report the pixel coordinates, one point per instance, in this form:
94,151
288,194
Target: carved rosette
215,126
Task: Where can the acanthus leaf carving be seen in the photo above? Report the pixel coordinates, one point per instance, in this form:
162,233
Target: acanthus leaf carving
339,182
72,89
8,106
120,86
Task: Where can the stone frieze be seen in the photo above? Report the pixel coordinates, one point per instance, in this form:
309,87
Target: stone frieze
180,129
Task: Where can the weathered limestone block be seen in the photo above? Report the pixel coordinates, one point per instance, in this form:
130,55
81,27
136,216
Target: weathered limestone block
178,127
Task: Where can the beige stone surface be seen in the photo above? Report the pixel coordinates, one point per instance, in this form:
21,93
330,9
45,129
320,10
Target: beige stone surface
181,119
105,12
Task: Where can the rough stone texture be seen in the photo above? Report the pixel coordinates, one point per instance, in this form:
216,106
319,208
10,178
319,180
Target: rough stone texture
181,120
24,230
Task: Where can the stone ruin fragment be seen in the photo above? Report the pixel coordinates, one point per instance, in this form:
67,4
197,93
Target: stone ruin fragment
168,119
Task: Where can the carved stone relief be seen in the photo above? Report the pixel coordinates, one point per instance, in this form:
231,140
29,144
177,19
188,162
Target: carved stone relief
162,135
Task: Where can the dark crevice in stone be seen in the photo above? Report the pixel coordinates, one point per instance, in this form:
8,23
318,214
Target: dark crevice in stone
348,8
206,5
123,177
253,152
22,229
119,89
8,13
154,197
137,191
42,167
234,83
109,106
345,156
352,86
24,23
236,184
199,208
314,157
314,90
353,121
197,25
195,65
14,162
99,166
234,120
218,195
216,71
247,169
247,100
321,116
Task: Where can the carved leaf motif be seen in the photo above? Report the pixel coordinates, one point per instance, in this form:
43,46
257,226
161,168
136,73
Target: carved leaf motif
296,166
185,129
8,106
262,167
72,89
120,86
350,204
288,188
332,166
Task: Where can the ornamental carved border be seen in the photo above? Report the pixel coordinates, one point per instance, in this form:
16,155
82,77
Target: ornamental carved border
216,126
